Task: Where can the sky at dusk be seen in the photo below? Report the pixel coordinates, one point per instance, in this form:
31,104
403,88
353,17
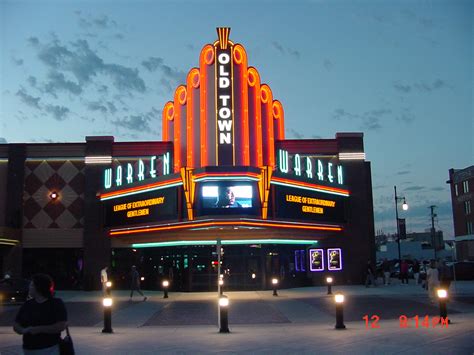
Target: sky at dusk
401,72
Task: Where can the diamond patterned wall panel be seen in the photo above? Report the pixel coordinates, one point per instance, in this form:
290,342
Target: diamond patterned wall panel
66,178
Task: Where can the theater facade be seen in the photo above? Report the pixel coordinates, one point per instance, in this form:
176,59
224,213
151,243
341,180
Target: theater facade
222,175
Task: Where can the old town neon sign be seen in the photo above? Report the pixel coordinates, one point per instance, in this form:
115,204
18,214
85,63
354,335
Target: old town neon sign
224,102
119,175
310,168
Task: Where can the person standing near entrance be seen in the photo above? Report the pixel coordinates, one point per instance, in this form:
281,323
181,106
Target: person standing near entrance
416,271
42,318
432,278
404,272
135,285
386,272
369,278
103,279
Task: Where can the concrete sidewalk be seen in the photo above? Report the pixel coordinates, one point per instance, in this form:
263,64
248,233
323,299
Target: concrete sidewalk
297,321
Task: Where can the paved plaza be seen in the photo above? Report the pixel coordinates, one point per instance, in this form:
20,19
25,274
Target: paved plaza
297,321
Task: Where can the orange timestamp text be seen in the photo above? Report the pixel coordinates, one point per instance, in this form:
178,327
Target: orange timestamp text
409,322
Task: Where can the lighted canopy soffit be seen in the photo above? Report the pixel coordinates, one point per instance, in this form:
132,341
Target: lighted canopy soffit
224,242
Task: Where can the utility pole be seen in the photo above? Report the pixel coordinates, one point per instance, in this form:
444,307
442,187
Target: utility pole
433,235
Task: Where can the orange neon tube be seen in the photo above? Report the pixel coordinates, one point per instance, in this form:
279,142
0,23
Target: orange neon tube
256,120
279,116
192,83
267,112
240,57
206,59
314,186
225,223
139,188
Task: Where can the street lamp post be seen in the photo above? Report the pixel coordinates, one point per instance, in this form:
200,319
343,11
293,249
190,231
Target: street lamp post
405,207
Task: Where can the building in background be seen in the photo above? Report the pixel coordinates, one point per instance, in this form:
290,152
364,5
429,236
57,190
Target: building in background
462,192
223,174
417,245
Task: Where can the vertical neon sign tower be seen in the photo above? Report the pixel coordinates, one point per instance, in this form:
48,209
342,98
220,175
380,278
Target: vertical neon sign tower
223,116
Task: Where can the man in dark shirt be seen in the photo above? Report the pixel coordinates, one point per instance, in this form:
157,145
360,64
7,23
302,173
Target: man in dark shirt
41,319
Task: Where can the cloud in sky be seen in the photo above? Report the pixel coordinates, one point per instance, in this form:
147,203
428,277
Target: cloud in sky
282,50
292,134
328,64
422,86
140,122
32,80
3,140
18,61
58,82
368,120
170,77
414,188
97,106
97,22
28,99
59,113
80,61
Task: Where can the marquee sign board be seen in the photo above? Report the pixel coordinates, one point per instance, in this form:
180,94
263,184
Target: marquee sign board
299,204
147,207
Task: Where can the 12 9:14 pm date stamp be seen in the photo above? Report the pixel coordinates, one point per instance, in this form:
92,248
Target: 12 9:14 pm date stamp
409,322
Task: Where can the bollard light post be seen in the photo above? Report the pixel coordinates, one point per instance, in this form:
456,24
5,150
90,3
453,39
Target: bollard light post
339,299
443,298
329,282
223,314
108,288
165,285
275,286
107,303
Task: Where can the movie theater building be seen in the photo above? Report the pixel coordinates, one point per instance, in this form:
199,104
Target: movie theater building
223,174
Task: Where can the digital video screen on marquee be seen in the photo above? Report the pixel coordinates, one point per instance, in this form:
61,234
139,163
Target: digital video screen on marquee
227,198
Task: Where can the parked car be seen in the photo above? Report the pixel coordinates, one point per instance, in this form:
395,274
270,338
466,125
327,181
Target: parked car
14,290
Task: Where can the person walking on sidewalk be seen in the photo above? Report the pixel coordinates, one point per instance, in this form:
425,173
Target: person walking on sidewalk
416,271
404,271
103,279
386,271
135,285
369,275
432,278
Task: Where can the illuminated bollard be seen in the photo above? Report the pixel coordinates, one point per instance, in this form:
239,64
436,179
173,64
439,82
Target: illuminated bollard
221,286
107,303
329,282
443,298
165,285
108,288
223,314
339,299
275,285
